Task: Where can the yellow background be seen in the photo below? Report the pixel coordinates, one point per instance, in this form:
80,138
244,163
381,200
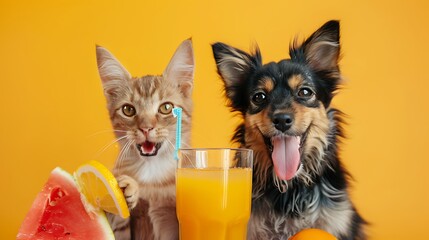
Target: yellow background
53,109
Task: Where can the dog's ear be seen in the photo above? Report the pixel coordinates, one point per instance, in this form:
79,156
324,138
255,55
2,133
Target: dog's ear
234,66
321,52
322,49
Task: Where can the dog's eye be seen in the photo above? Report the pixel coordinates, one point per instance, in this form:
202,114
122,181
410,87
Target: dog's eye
166,108
305,93
128,110
259,97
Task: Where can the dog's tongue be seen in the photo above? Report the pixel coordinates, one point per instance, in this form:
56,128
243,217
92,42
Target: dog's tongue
286,156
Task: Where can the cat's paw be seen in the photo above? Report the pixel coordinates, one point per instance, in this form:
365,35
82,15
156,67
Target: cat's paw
130,187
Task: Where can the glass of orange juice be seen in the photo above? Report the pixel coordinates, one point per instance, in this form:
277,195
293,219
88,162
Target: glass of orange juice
213,193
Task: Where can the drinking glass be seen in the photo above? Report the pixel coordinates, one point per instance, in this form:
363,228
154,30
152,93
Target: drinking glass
213,193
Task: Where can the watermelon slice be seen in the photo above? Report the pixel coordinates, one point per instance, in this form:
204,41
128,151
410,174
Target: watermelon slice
59,213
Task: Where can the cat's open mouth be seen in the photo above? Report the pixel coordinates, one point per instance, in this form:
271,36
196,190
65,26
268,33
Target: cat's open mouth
148,148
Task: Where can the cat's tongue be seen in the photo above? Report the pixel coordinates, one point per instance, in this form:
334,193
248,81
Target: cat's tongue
148,147
286,156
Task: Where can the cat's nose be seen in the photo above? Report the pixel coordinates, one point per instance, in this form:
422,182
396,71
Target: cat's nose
146,130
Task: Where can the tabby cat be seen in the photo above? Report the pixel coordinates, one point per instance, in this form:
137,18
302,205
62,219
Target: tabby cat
140,110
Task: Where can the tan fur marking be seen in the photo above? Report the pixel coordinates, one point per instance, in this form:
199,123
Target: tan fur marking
316,123
295,81
267,84
255,124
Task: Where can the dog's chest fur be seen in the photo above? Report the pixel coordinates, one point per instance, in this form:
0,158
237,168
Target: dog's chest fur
266,223
324,204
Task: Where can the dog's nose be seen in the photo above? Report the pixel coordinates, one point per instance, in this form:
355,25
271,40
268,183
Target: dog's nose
283,121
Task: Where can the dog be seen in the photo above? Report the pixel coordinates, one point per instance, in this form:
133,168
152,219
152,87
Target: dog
298,179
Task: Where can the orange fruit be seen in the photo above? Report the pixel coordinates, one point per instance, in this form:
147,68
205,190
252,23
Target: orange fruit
312,234
101,190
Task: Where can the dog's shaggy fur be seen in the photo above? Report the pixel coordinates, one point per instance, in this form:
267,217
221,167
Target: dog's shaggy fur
290,100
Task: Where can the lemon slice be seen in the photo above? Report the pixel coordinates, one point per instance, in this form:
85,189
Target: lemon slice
101,190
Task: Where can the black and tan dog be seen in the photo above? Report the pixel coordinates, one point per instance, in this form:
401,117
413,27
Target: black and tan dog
298,180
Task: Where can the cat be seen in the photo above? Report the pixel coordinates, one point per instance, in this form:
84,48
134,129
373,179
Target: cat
140,110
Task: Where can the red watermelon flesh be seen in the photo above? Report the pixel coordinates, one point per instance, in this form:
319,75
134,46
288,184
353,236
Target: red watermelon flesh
58,213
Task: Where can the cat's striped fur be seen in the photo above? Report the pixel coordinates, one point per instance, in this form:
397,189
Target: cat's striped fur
140,113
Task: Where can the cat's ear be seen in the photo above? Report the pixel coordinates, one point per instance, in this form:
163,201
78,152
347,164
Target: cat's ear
181,67
109,67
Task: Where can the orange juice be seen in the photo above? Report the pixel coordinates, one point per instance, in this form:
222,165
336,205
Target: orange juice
213,203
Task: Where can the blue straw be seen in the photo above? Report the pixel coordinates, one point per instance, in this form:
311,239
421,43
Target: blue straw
177,113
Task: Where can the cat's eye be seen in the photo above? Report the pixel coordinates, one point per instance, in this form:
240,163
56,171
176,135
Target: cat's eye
305,93
128,110
166,108
259,97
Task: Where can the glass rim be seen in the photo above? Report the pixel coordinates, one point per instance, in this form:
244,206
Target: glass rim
216,148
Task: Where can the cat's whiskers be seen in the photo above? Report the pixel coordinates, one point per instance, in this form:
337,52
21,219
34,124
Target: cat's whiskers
105,147
174,149
123,154
106,131
170,145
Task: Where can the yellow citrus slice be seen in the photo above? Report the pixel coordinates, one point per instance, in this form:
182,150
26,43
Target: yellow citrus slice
100,188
